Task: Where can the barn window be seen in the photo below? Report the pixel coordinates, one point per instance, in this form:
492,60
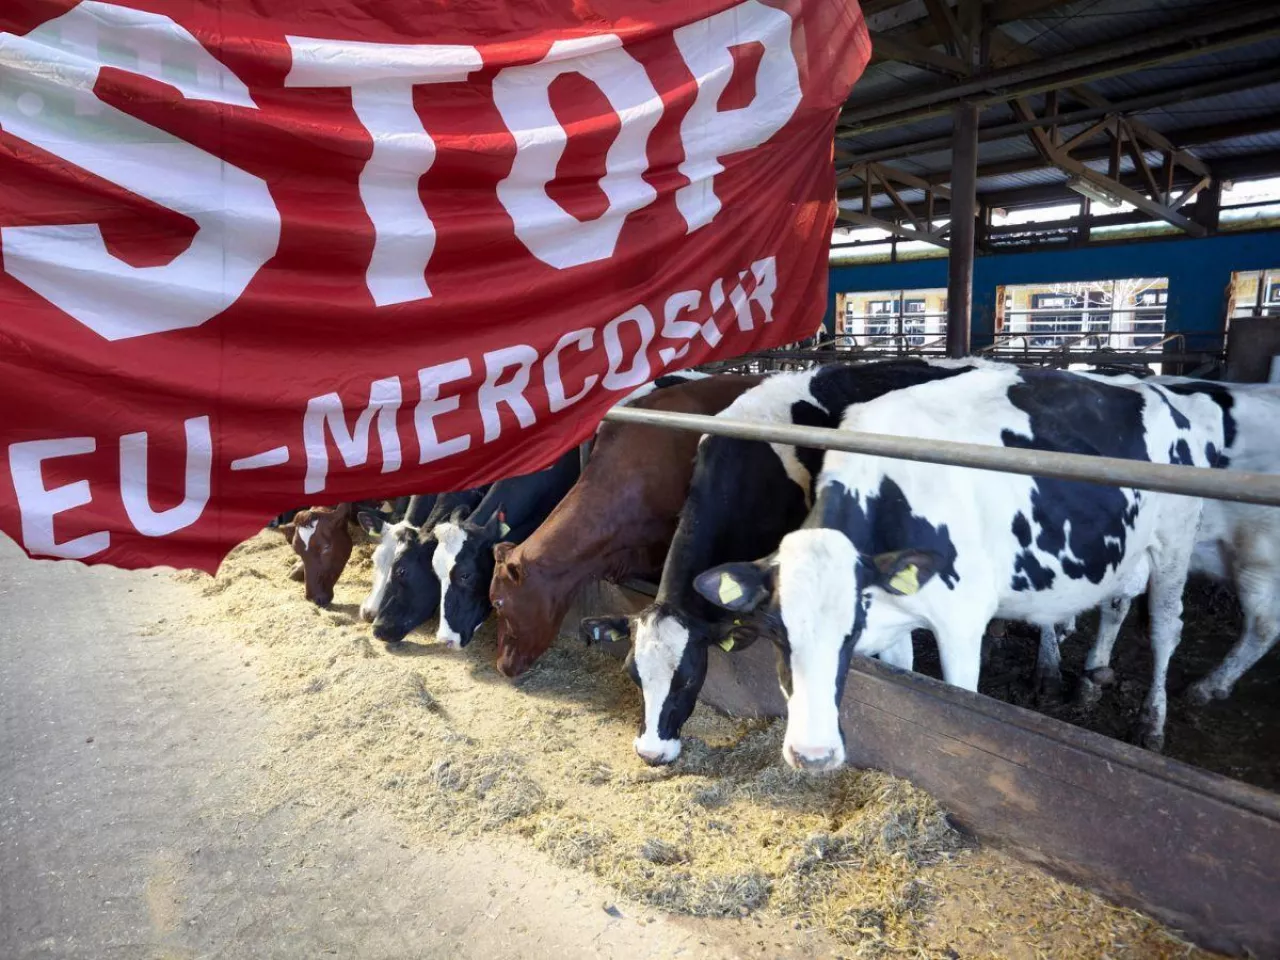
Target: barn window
1122,316
1255,293
893,321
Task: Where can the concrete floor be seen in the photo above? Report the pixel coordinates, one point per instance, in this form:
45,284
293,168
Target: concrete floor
125,759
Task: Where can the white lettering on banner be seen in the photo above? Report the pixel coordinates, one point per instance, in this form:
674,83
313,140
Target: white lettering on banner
709,133
509,372
381,77
327,412
496,362
556,399
198,478
638,373
432,405
508,376
766,277
686,301
522,96
39,504
55,67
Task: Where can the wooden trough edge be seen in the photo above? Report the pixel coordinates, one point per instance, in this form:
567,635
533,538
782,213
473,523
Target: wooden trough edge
1198,851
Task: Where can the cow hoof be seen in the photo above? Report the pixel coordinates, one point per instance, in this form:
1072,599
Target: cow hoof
1201,694
1088,693
1150,739
1048,688
1102,676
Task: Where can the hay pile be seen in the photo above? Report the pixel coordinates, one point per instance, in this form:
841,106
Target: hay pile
453,750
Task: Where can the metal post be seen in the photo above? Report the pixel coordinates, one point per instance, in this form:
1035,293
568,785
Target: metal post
964,199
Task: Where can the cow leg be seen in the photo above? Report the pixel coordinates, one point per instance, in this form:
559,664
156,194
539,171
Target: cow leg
1097,666
900,655
1049,663
960,650
1168,580
1260,600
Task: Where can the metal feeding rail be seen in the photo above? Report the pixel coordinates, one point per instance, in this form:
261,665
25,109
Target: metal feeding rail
1260,488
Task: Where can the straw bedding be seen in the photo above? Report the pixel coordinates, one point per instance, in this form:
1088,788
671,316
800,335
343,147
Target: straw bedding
454,750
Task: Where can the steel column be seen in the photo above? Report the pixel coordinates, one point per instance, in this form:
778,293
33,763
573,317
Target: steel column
964,202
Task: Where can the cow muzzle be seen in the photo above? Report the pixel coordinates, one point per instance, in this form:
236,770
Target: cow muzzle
813,759
657,752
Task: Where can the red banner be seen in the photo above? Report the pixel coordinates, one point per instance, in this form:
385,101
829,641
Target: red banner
256,254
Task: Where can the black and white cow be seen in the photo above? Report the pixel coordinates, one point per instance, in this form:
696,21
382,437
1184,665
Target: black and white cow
389,531
1239,542
410,589
892,545
744,496
463,561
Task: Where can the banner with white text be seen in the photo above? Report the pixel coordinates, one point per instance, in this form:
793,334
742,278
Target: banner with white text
262,254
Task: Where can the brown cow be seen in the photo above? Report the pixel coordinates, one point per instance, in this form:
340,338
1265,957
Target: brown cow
615,523
321,537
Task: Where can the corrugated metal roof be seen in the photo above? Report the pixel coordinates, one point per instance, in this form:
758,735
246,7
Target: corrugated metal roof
1072,27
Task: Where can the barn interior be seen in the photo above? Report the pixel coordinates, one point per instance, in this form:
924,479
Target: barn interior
1088,181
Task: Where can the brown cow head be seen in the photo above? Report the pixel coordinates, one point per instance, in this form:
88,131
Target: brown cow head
527,618
321,537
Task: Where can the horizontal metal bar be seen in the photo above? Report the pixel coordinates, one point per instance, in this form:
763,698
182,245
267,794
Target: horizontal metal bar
1260,488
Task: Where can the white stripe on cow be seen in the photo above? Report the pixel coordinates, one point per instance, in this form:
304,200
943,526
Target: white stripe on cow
450,538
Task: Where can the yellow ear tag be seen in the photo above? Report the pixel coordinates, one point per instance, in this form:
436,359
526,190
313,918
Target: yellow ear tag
727,644
906,581
503,529
730,589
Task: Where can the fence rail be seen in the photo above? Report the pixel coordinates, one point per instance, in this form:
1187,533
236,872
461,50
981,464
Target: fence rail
1259,488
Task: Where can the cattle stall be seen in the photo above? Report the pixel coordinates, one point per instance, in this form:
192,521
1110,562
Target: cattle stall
1194,848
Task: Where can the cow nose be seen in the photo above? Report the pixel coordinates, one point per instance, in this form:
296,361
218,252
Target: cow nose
654,759
323,600
812,759
657,753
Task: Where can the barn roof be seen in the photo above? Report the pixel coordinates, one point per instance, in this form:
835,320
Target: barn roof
1165,98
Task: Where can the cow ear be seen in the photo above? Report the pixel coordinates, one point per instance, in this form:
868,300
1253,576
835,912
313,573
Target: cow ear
604,629
904,572
496,526
459,514
502,557
736,638
736,586
372,523
287,531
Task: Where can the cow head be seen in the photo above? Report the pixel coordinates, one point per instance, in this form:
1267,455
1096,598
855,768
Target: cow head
412,592
528,610
321,538
464,564
820,591
388,536
668,662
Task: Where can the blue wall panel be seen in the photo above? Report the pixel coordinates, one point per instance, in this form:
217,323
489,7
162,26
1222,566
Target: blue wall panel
1199,273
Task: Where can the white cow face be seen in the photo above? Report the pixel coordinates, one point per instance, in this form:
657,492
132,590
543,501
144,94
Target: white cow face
820,590
388,535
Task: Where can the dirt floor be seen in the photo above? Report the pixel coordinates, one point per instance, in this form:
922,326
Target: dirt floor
1238,737
411,802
